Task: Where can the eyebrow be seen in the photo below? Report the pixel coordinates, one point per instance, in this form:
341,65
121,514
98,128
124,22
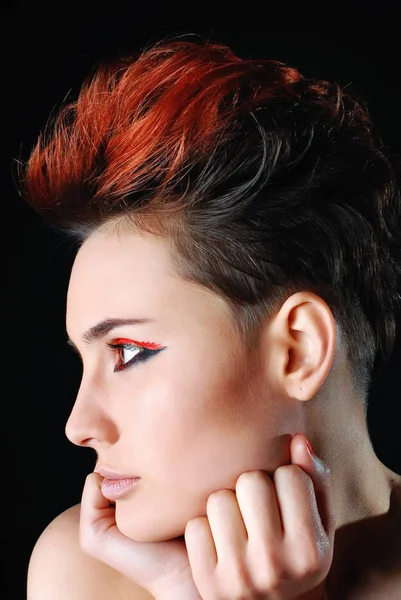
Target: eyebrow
102,328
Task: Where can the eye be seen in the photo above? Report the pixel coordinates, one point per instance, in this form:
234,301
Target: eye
129,353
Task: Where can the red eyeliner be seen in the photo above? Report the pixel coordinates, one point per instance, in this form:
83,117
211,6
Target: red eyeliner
148,345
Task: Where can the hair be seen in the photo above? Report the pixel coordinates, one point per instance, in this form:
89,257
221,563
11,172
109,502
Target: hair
264,182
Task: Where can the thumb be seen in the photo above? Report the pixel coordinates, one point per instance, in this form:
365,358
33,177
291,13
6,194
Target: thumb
146,563
302,455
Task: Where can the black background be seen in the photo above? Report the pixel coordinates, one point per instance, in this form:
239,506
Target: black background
47,49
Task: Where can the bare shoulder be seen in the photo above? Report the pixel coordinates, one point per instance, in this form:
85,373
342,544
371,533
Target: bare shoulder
58,568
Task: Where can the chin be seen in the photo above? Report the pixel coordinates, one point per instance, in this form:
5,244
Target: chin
139,529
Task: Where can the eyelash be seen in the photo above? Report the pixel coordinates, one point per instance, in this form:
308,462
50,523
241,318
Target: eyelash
145,352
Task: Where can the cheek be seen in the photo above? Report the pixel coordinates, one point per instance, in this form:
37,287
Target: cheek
192,415
197,420
203,391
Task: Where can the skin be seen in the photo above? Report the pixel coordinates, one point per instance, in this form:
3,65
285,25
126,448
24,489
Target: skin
193,417
271,538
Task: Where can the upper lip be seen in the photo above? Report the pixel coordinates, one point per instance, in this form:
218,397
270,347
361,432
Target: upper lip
108,474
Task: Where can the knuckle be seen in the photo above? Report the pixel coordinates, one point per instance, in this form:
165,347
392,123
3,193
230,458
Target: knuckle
292,473
245,478
88,541
312,564
235,587
309,563
275,569
285,470
270,573
269,582
194,525
251,478
241,580
219,498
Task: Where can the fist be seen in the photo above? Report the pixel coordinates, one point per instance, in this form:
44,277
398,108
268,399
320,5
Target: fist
271,539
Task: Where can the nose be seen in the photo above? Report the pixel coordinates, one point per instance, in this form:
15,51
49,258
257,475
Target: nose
89,424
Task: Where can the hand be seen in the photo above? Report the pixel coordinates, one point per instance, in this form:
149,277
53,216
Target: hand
271,539
161,568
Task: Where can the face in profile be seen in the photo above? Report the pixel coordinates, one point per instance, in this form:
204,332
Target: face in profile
188,414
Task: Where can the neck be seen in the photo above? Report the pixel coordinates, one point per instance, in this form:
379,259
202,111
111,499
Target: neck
361,483
366,496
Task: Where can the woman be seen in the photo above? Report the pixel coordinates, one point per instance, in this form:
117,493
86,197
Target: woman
233,297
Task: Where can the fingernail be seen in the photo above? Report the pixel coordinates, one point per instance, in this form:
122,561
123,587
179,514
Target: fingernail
309,447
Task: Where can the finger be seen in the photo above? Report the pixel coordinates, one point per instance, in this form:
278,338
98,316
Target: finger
97,516
217,544
320,475
257,500
308,547
201,551
98,532
101,538
297,502
226,524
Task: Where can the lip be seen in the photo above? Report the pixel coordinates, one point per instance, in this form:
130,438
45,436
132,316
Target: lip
116,488
109,474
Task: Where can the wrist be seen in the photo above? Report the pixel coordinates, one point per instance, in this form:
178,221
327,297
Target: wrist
181,591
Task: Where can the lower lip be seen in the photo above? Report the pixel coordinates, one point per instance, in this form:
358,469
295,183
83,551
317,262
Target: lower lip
115,488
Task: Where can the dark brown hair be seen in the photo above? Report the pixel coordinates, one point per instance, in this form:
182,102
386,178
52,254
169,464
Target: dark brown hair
266,183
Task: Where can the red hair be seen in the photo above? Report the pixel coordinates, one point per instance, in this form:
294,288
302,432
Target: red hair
148,120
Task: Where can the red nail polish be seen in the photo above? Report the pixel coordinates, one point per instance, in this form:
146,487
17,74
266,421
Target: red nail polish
309,448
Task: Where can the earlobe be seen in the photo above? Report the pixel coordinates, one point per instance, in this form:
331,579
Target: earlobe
307,331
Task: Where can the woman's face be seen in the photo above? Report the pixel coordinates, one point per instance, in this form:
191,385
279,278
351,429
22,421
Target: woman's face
187,419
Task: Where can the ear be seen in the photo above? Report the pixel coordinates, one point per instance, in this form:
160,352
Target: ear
301,345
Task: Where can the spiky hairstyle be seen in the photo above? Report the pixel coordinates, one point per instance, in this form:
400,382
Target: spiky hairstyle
266,183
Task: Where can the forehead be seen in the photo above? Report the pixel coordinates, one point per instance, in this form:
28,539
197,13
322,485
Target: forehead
131,275
121,256
112,269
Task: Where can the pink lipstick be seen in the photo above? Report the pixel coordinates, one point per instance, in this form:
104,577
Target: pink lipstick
116,488
115,485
